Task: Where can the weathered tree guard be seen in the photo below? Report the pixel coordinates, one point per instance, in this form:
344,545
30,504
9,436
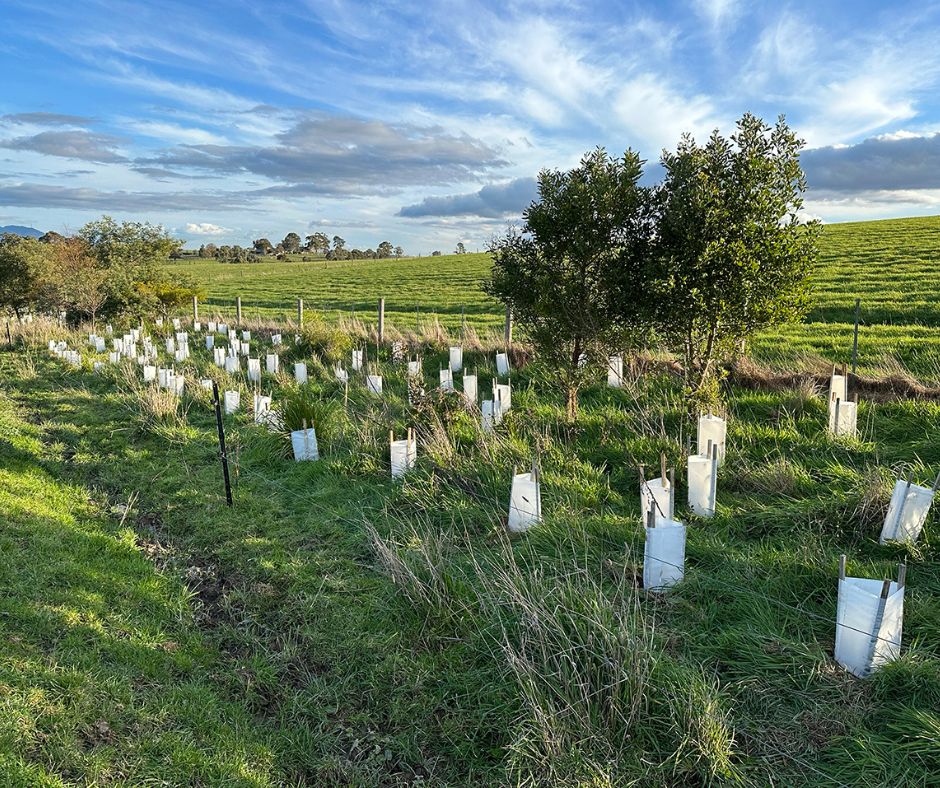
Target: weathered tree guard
525,501
869,619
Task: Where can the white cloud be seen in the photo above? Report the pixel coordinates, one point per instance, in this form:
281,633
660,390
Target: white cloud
205,228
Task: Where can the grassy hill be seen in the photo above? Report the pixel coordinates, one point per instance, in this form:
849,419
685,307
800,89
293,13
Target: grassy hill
893,266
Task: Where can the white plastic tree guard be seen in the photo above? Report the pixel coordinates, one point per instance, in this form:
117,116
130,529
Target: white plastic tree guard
843,417
869,619
197,326
663,553
232,334
232,401
398,351
414,368
470,387
233,364
271,361
159,321
658,495
170,345
711,429
246,336
212,328
162,377
182,338
374,384
703,482
300,372
910,504
180,355
210,341
456,359
114,357
97,366
447,379
254,370
218,356
150,373
525,501
615,371
206,383
222,328
838,386
262,409
100,345
234,346
402,454
176,323
357,360
490,415
275,339
175,383
107,329
245,348
304,443
502,393
342,374
502,364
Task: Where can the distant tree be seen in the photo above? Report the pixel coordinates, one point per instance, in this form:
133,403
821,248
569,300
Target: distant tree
51,237
732,256
436,253
399,251
555,275
262,246
291,243
81,282
209,250
338,243
22,261
356,254
461,249
318,243
131,253
384,250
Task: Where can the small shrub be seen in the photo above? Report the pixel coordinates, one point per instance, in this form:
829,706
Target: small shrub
301,407
327,342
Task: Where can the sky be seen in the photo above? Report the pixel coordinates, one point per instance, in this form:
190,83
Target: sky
425,123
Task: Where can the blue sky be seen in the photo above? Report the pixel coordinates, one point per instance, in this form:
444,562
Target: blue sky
425,123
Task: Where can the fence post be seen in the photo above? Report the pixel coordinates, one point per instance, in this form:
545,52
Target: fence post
9,337
381,320
858,302
300,311
195,308
508,329
238,310
222,453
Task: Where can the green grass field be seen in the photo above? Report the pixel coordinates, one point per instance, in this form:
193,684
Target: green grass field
336,628
893,266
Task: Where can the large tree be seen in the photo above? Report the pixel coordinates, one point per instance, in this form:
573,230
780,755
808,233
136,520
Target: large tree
291,243
131,253
22,262
384,250
586,225
262,246
732,254
318,243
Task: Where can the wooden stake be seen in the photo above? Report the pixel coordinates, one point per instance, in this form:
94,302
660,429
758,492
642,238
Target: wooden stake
858,302
842,567
381,320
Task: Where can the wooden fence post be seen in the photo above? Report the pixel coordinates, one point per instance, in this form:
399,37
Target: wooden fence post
858,302
195,308
508,329
300,311
238,310
381,320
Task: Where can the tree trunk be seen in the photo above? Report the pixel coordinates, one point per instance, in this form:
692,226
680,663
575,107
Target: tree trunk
572,404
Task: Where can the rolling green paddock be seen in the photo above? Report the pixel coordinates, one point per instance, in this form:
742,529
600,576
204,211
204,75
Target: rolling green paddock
354,631
892,265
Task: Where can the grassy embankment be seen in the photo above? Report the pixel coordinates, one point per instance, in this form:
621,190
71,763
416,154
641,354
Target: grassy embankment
337,628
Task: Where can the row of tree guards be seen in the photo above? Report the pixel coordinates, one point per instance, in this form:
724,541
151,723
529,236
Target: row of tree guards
507,325
869,612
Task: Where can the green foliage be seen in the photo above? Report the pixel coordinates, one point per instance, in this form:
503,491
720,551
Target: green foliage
588,225
22,264
132,253
168,291
302,407
732,256
319,338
